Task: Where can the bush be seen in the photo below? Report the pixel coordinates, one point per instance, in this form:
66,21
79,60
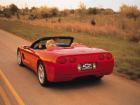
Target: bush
44,12
93,22
54,12
95,11
108,11
32,16
7,13
25,11
65,12
45,15
92,11
130,11
72,11
135,38
59,20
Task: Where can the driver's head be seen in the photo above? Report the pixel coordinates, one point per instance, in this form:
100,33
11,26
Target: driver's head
50,43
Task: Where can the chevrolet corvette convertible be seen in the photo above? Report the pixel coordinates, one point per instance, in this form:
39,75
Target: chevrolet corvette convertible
65,61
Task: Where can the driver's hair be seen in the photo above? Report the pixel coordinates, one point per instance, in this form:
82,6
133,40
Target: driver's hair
50,43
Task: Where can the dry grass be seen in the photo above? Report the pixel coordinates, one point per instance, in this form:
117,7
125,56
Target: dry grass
115,25
77,26
105,25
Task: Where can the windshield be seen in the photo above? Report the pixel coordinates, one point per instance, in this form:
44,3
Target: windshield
58,41
63,42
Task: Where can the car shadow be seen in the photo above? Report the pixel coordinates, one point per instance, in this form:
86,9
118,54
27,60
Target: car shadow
82,82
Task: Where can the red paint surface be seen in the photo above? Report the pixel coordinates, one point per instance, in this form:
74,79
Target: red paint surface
61,63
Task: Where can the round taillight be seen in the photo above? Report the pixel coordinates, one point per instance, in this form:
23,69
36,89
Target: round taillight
72,60
109,56
101,57
62,60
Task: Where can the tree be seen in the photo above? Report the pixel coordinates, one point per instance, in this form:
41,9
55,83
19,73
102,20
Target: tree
65,12
1,10
7,12
82,8
92,11
108,11
44,12
72,11
33,14
54,11
13,8
25,11
130,11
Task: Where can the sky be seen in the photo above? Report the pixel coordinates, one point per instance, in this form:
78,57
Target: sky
72,4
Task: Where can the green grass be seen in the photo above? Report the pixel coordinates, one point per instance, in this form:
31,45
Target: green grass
127,54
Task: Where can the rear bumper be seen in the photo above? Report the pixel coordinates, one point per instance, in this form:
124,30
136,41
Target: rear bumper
60,73
69,77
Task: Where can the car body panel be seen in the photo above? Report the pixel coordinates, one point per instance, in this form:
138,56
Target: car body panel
80,54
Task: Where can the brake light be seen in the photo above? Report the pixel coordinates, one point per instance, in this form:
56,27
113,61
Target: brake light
62,60
101,57
109,56
72,60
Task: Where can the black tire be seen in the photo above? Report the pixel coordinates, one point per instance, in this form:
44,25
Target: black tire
99,77
19,58
42,79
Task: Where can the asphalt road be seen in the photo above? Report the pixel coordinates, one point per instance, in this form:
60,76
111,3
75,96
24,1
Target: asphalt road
111,90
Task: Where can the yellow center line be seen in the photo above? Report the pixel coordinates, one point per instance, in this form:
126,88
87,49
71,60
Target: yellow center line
4,96
11,88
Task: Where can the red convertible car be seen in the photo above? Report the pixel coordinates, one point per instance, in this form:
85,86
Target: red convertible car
57,59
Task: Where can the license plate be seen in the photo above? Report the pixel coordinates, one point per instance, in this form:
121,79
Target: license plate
88,66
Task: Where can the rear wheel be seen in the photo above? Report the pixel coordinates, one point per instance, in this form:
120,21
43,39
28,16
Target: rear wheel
42,75
19,58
